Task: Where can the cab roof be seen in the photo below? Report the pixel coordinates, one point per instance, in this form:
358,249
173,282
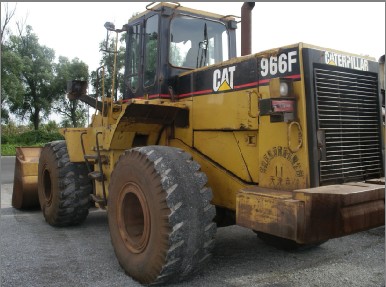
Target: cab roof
179,7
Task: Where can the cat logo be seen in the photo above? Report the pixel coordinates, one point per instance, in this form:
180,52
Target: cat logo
223,79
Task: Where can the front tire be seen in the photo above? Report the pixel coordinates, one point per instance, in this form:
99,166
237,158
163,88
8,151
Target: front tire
63,187
160,216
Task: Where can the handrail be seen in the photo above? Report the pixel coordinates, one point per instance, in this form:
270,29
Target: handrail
97,87
101,168
114,71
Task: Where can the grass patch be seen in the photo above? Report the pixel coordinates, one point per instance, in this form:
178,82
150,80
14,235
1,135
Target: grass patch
29,138
10,149
13,136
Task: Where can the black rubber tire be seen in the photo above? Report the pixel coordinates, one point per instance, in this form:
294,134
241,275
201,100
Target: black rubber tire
284,243
160,215
63,187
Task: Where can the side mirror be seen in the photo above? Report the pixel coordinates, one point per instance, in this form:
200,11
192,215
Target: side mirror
76,89
109,26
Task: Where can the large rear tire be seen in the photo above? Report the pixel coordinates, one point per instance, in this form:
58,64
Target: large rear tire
63,187
160,215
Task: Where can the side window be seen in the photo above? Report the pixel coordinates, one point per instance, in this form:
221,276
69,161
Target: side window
134,56
151,50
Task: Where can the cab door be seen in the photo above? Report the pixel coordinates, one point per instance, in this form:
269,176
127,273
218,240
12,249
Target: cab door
142,58
134,56
151,57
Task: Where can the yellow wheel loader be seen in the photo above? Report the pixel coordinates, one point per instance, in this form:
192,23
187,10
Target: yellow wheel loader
286,142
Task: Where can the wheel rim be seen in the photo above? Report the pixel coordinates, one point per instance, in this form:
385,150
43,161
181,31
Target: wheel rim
47,186
133,218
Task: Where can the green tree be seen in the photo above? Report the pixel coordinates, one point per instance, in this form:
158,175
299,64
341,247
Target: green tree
11,86
8,84
35,74
7,15
107,61
74,112
50,127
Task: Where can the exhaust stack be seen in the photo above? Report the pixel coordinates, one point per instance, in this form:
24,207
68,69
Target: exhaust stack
246,28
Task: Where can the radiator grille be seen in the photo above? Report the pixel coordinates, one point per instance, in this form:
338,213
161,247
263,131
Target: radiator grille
347,108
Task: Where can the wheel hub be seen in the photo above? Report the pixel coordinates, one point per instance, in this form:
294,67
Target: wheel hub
47,186
133,218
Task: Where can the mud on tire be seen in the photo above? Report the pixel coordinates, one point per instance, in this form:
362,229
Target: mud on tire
160,215
63,186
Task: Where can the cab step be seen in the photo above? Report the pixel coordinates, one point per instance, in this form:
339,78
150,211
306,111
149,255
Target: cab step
96,158
98,200
97,175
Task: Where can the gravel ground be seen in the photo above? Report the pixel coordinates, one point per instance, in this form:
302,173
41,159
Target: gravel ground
36,254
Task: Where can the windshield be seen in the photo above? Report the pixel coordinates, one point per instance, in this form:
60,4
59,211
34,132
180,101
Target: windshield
196,42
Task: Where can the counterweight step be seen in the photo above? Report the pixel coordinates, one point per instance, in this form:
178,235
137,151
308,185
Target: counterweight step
102,158
97,199
97,175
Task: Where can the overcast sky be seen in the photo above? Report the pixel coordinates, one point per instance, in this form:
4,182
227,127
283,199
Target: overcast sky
74,29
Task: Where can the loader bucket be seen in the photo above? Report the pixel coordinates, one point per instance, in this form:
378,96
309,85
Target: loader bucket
25,183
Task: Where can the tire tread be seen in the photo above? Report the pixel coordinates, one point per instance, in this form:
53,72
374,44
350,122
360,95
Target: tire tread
73,187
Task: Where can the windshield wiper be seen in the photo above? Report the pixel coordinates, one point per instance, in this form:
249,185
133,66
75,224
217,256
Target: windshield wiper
203,47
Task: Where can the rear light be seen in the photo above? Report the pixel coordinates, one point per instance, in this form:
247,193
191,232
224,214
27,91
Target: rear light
281,105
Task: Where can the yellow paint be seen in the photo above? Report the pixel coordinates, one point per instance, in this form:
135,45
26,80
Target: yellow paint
222,148
28,159
247,143
286,170
256,167
73,141
226,111
108,168
236,147
224,86
29,168
184,134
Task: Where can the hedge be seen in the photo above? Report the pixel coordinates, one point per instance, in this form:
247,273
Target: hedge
29,138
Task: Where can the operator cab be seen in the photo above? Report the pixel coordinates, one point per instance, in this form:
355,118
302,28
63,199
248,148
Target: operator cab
169,39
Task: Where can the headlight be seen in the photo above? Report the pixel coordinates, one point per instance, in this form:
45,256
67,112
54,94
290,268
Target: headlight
283,89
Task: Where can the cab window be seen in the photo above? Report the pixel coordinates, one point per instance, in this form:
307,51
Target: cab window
151,50
134,56
197,42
